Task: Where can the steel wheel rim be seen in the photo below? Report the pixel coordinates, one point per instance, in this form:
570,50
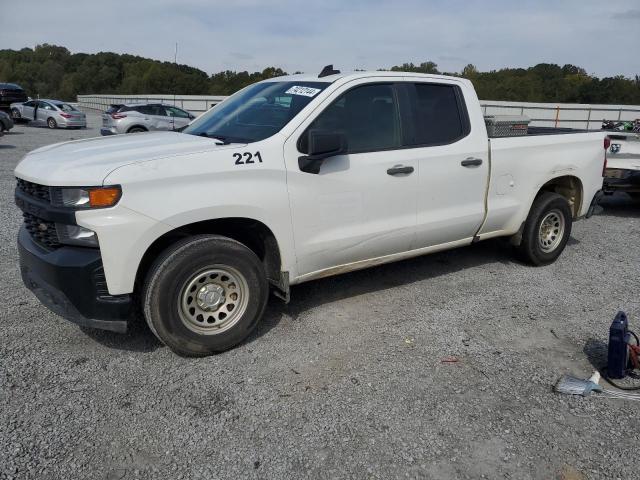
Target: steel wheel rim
213,300
551,231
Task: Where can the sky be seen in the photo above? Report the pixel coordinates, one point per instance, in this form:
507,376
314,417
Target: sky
600,36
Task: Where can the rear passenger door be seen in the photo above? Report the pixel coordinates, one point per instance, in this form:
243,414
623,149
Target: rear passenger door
45,110
453,160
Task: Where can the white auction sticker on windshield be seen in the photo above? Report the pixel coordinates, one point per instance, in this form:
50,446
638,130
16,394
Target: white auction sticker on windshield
305,91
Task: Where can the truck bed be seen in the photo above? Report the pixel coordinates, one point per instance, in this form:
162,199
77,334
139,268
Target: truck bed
537,131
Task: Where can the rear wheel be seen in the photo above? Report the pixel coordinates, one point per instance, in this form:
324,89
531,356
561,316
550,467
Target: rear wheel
204,295
136,130
547,229
51,123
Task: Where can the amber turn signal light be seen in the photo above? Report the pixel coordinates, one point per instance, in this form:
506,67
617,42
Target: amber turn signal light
104,197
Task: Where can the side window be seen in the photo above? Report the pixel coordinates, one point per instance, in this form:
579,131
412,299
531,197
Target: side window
145,109
439,116
367,115
45,105
30,103
157,110
176,112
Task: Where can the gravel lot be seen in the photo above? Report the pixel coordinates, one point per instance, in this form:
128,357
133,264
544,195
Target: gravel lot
347,381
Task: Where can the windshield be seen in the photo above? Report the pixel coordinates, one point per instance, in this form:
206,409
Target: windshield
257,112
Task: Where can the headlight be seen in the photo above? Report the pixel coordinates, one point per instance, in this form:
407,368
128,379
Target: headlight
76,235
74,197
89,197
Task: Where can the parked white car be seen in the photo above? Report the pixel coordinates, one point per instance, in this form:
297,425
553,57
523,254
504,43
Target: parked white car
52,113
143,117
289,180
623,164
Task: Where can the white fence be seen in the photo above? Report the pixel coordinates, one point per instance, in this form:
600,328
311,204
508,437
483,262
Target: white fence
195,104
569,115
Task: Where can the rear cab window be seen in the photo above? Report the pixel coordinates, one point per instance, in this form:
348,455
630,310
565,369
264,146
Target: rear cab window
438,115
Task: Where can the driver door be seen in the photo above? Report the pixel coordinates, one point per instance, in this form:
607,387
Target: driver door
179,118
357,207
27,110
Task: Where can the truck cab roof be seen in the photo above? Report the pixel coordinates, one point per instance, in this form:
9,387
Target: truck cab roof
348,76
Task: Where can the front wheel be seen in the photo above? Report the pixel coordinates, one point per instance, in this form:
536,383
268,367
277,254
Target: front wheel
15,114
547,229
204,295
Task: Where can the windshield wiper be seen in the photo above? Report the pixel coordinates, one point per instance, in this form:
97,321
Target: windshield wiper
225,139
220,138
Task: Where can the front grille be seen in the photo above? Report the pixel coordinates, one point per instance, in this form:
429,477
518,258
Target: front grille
41,192
42,231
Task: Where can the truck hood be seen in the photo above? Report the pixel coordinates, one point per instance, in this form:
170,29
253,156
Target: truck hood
89,161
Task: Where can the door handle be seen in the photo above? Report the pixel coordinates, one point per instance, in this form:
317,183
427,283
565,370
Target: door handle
400,170
471,162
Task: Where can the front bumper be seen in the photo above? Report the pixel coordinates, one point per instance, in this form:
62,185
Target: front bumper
70,282
621,180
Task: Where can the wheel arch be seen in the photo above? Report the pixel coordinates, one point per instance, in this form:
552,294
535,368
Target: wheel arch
142,127
570,187
252,233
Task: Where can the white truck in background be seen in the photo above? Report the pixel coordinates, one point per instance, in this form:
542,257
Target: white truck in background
623,164
289,180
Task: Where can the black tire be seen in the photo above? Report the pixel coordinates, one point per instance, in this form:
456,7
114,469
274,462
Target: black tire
544,207
51,123
136,130
183,265
634,195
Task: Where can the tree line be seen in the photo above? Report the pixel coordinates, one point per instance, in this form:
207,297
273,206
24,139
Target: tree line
53,71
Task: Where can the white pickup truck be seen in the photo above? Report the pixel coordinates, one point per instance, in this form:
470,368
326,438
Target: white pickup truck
289,180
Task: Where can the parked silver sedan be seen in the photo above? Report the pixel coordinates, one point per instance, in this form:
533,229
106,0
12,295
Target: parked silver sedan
135,118
53,113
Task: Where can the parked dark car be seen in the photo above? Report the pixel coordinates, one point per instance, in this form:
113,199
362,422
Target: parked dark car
11,93
6,122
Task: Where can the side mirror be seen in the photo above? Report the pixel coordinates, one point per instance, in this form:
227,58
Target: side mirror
322,145
191,117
